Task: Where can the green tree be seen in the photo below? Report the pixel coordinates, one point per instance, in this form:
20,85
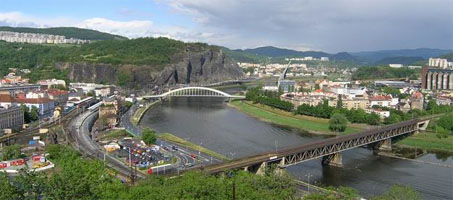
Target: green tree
90,94
399,192
446,122
441,132
393,118
27,117
338,123
395,92
34,113
149,136
373,119
7,190
340,102
11,152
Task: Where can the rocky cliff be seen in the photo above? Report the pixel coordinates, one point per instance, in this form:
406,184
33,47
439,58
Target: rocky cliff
195,65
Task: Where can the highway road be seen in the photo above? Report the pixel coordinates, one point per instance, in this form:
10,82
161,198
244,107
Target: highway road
81,134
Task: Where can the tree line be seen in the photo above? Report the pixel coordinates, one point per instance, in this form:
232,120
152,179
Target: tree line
269,98
323,110
78,178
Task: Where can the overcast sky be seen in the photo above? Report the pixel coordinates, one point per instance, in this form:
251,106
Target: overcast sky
326,25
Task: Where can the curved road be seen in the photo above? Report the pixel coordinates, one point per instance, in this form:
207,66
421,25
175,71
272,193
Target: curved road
81,134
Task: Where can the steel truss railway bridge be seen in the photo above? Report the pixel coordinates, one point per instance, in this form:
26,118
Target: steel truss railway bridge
193,92
328,149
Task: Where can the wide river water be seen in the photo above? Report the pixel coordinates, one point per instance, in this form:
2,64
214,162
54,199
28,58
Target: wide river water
215,125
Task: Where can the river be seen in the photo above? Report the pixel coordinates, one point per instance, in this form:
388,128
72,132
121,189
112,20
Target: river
215,125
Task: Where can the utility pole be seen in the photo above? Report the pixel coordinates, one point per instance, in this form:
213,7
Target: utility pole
234,190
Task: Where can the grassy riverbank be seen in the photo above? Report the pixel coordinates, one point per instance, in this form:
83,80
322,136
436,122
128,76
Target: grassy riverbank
428,141
310,124
172,138
135,119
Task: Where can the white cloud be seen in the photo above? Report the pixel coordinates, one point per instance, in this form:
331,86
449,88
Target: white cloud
133,29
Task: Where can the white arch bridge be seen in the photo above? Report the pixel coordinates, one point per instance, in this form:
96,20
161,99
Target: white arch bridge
194,92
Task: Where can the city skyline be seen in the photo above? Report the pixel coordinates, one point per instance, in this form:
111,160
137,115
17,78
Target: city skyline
332,26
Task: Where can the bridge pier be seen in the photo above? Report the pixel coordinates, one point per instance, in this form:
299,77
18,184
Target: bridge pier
335,160
262,169
280,168
386,145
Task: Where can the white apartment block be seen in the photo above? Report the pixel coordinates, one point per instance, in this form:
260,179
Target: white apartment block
38,38
439,62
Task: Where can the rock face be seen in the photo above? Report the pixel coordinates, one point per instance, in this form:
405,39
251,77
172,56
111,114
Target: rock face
196,65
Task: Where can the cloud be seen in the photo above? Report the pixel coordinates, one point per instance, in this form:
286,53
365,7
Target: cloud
133,29
333,25
16,19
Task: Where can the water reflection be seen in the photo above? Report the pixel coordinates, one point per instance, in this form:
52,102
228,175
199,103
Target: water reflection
223,129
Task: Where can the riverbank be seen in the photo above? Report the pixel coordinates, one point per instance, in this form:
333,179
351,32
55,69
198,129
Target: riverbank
138,114
427,141
172,138
308,124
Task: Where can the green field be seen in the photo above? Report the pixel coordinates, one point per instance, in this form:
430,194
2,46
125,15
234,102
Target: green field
172,138
312,125
428,141
135,119
114,134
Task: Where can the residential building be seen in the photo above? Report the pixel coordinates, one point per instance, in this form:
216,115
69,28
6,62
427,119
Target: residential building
13,89
355,103
38,38
52,82
271,86
404,106
439,62
108,111
444,100
380,100
382,113
103,91
98,89
417,100
11,118
395,65
45,105
286,85
59,96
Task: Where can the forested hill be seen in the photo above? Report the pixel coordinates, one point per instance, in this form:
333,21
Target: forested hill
275,54
142,62
68,32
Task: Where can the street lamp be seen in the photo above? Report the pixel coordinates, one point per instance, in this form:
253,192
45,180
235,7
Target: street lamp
276,146
187,139
199,148
232,155
308,181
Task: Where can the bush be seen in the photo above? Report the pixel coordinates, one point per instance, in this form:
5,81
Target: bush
149,136
338,123
11,152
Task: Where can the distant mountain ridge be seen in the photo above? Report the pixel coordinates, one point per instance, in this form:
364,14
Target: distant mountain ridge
68,32
382,57
275,52
375,56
